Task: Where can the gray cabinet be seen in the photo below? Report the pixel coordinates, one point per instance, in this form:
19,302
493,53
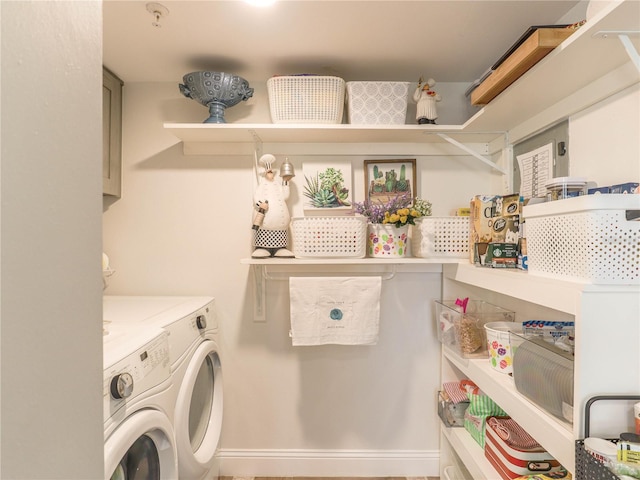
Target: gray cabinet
111,134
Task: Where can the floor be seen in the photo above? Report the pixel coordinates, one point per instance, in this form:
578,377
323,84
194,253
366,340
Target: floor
328,478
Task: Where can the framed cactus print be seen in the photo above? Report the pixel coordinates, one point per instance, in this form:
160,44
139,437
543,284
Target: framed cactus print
386,179
327,188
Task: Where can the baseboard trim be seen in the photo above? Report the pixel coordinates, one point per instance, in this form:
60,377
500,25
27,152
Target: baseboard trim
328,463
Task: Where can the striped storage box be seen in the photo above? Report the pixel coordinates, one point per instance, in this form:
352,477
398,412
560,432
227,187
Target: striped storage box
513,452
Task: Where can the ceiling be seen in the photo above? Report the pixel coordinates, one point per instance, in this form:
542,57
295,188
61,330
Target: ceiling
379,40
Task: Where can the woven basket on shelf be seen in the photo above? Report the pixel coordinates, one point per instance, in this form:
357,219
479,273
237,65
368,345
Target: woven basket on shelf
306,99
329,237
438,237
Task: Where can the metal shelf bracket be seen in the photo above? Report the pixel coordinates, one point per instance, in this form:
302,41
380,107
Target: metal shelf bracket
471,152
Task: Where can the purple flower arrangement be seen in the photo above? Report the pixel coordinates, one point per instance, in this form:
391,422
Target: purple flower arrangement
376,212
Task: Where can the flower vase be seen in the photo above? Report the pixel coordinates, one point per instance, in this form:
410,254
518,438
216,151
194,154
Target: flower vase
387,240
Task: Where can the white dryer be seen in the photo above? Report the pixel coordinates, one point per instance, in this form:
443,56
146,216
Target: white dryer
139,442
196,372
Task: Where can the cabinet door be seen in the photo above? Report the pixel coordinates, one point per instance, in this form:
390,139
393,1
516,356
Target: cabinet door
111,134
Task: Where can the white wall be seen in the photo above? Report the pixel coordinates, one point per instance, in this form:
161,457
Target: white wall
604,141
182,226
51,345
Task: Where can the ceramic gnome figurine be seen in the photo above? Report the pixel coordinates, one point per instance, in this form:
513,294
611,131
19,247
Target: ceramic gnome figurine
426,99
272,218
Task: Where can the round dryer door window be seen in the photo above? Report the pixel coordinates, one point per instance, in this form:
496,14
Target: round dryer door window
141,448
198,416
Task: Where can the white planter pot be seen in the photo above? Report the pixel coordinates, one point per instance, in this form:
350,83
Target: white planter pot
387,241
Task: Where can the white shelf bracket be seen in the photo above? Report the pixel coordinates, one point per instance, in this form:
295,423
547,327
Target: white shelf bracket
259,293
471,152
257,143
631,50
623,36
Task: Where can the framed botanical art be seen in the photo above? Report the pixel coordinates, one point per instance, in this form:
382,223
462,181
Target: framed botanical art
386,179
327,189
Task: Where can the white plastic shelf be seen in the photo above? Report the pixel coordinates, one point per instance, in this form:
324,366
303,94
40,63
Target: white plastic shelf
555,435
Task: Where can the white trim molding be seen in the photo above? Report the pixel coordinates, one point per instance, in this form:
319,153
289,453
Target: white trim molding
328,463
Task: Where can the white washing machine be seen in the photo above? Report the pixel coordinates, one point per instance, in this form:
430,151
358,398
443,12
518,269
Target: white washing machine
196,372
139,442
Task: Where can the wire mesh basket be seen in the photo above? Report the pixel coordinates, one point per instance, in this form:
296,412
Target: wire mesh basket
589,467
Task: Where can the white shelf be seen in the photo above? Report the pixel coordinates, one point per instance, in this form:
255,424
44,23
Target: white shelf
470,452
349,261
345,139
569,79
548,292
542,96
316,133
556,435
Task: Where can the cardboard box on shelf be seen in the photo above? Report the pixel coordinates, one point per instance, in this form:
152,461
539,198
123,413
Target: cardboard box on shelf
482,209
495,220
502,255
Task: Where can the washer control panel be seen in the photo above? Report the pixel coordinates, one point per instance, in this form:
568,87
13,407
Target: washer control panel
146,369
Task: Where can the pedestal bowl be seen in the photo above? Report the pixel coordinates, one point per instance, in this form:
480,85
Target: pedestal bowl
216,90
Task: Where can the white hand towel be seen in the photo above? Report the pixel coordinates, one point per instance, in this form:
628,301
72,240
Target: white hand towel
334,310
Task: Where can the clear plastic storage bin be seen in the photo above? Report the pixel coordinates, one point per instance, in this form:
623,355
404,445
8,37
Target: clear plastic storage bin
465,332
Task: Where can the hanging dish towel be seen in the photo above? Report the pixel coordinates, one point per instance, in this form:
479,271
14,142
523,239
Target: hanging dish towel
334,310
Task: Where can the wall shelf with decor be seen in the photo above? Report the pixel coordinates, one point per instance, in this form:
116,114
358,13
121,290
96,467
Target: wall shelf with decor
539,98
336,139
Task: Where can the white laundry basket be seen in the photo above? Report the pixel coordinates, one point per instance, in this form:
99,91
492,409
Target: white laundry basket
306,99
440,237
329,237
590,239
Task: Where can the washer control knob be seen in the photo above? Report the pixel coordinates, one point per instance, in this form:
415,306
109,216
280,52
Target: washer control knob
121,385
201,322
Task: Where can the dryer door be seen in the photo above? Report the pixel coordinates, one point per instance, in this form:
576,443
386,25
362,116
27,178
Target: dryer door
198,418
141,448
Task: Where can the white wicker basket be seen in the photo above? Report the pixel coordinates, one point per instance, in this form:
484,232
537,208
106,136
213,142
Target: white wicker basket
381,103
440,237
329,237
585,239
306,99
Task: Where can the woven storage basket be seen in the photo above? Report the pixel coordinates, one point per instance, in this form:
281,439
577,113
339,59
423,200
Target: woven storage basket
436,237
306,99
585,239
381,103
329,237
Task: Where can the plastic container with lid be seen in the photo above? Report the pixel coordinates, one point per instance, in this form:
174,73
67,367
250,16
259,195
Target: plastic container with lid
565,187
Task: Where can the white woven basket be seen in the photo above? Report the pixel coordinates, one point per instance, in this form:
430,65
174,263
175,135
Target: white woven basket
585,239
306,99
329,237
377,103
440,237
